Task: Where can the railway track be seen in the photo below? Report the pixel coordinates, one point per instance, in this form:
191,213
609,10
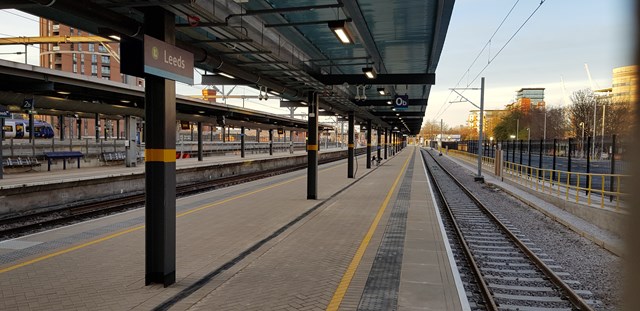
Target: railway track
501,269
19,225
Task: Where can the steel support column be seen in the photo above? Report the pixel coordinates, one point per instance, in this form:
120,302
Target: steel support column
79,124
31,128
369,143
97,125
386,143
312,148
350,143
1,139
160,161
378,147
199,141
270,142
242,141
224,137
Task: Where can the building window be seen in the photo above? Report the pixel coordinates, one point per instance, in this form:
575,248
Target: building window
75,68
82,58
94,70
106,70
94,58
92,47
75,57
102,49
80,47
105,59
82,68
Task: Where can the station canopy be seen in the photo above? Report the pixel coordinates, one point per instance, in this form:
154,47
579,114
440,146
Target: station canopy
376,58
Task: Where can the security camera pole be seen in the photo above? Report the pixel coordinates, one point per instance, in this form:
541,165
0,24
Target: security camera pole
478,177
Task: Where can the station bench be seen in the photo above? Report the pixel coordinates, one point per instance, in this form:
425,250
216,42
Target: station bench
113,156
64,155
20,162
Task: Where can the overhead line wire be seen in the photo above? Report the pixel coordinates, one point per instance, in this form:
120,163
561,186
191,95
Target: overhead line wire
474,61
503,47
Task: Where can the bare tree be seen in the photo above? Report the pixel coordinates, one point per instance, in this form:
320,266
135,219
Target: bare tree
581,111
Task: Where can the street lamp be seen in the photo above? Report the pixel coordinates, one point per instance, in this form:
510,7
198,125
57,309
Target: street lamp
528,138
582,141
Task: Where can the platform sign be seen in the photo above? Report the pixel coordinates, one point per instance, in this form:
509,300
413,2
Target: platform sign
4,112
167,61
28,104
401,102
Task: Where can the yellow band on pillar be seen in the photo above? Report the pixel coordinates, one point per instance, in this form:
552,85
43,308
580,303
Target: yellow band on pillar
159,155
368,145
312,147
350,146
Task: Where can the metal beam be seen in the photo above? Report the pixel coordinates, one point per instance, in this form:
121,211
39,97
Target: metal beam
56,39
385,102
307,23
291,103
381,79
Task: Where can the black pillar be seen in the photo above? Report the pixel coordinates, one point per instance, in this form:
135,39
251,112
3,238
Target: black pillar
312,148
224,137
520,150
79,124
369,143
160,161
613,165
588,181
61,127
386,143
97,123
270,142
379,147
117,129
242,141
1,139
569,156
350,143
31,128
199,141
257,135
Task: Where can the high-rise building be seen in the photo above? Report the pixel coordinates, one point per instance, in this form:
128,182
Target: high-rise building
624,84
98,59
491,119
530,98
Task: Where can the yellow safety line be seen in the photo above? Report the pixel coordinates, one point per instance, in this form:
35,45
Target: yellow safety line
312,147
338,295
117,234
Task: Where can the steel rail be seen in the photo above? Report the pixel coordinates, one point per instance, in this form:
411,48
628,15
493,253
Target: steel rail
570,293
489,301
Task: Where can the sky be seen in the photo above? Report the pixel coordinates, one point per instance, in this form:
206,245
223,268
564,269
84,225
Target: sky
553,46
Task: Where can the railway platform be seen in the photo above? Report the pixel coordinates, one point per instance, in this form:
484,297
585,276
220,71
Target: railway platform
370,243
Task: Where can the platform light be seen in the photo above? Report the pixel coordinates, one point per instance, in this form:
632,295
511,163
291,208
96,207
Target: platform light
389,102
201,112
63,92
381,91
114,37
226,75
125,101
370,72
341,31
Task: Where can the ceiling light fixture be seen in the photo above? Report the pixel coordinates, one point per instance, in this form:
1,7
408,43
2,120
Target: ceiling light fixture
370,72
115,37
381,91
63,93
341,31
226,75
389,102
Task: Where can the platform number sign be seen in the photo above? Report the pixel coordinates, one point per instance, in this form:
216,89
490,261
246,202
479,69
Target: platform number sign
27,104
401,102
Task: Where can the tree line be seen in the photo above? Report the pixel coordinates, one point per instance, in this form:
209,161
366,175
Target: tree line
561,122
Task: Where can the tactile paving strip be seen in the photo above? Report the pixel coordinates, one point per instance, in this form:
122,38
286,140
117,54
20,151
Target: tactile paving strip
383,282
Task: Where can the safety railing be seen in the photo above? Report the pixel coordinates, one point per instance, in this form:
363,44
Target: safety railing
472,158
574,186
571,185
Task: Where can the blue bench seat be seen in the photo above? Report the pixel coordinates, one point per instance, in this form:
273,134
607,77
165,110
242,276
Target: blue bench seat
64,155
